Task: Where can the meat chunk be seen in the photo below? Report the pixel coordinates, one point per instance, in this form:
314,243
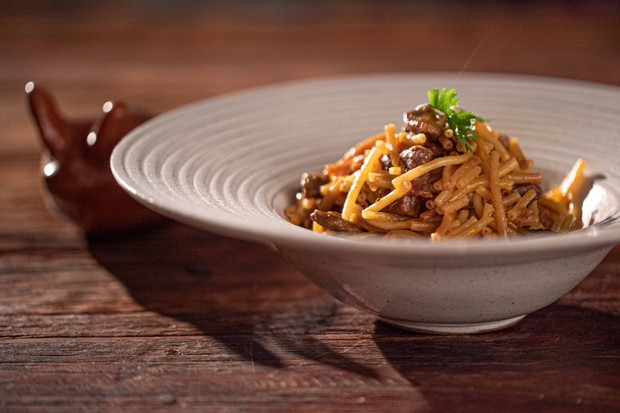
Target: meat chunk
333,221
414,156
427,120
523,188
386,162
421,187
311,184
436,149
408,159
408,205
504,139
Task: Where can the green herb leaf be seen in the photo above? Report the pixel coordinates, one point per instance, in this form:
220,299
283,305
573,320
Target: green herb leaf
443,100
460,121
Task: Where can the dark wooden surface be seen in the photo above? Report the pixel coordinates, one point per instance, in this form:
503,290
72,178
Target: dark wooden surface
172,318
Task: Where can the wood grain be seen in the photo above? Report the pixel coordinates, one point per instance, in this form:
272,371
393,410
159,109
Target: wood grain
172,318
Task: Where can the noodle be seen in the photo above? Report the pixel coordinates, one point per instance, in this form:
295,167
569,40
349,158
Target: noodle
445,225
443,197
471,187
468,176
446,177
463,215
418,139
476,227
496,195
431,180
483,192
464,169
521,204
511,199
507,167
402,233
476,201
429,166
455,205
356,188
420,226
483,131
391,140
391,197
483,153
469,222
526,178
515,150
380,180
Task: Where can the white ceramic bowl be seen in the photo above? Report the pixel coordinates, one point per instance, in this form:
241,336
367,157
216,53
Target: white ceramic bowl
231,164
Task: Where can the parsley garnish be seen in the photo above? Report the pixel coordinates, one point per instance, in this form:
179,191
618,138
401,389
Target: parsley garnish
460,121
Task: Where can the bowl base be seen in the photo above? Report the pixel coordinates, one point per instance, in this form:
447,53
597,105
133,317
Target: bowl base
471,328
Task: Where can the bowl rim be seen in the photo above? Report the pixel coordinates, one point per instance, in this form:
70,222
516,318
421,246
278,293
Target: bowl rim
596,236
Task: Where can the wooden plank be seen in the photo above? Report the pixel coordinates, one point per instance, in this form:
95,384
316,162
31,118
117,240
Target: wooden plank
491,380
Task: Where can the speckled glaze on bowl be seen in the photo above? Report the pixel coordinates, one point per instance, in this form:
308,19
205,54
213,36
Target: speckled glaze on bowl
230,165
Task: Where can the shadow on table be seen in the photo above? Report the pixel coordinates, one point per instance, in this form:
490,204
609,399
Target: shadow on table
241,294
248,299
562,355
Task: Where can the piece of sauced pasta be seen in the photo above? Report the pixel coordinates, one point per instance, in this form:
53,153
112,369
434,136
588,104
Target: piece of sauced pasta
446,174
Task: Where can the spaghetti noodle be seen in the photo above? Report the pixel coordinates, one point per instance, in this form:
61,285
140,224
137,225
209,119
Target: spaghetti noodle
431,179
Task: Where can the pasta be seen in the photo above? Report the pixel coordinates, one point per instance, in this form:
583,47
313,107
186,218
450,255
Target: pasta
446,174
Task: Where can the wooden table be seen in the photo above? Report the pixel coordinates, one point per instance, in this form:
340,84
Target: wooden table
173,318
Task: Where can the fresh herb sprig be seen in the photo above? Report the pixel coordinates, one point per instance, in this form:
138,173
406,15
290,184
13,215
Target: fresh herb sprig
460,121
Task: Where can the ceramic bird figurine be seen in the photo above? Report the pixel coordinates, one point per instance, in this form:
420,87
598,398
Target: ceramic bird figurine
75,164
